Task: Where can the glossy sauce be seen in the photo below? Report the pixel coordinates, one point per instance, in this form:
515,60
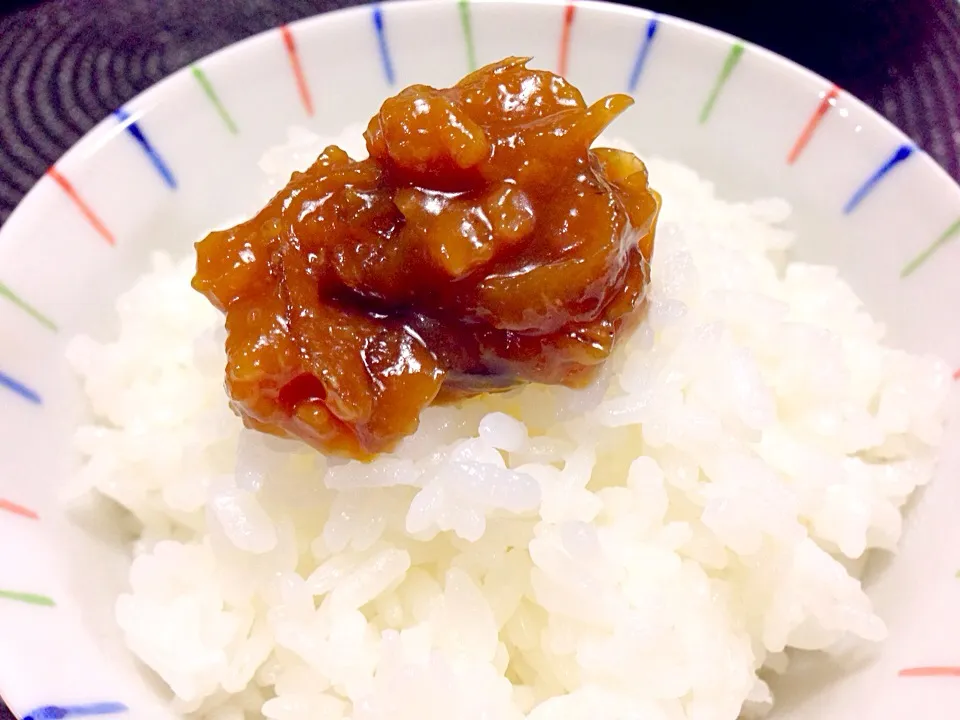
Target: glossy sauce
482,244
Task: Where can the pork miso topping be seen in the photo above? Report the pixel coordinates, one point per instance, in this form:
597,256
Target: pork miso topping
481,245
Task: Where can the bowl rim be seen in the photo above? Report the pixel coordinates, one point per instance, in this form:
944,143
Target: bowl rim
84,149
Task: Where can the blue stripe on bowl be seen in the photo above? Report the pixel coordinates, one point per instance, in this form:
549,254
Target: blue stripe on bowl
55,712
899,155
131,126
378,25
19,388
642,53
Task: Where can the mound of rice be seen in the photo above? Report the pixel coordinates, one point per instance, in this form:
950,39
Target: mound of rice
639,549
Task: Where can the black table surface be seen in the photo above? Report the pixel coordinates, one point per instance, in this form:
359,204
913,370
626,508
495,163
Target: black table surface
66,64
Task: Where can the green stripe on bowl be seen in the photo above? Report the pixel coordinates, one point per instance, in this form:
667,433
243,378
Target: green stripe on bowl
29,598
948,235
10,295
729,64
212,96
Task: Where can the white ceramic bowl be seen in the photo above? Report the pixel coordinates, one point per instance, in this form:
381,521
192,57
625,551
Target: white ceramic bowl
182,157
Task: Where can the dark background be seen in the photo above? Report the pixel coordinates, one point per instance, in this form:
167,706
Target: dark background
66,64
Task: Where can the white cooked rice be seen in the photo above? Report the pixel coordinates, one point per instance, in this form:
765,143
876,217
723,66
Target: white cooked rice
639,549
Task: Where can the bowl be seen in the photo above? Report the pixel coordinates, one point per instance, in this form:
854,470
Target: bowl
181,158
